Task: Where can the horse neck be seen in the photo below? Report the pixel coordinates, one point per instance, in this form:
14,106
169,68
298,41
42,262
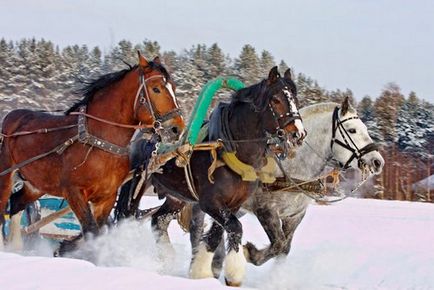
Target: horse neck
310,160
246,125
115,103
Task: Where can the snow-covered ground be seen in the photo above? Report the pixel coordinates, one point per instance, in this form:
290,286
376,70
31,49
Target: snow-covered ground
354,244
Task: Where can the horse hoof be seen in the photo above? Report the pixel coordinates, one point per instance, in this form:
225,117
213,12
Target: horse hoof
232,284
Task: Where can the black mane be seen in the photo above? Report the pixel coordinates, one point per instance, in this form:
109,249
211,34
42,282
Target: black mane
255,95
93,86
259,94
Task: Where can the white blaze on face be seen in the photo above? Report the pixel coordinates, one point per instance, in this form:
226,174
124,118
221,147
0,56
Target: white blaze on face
298,124
172,93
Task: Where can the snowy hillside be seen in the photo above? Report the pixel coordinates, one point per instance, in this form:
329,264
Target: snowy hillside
354,244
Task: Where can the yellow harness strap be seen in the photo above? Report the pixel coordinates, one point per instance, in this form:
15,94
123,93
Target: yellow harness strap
247,172
266,174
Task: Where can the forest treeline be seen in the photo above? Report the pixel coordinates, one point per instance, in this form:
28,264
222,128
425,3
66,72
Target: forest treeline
37,74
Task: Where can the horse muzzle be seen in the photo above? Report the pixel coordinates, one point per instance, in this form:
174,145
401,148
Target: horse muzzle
373,161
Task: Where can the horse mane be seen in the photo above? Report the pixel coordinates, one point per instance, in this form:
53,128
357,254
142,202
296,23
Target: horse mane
93,86
312,110
255,94
259,94
315,109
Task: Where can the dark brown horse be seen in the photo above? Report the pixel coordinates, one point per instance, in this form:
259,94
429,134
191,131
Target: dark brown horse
83,155
254,114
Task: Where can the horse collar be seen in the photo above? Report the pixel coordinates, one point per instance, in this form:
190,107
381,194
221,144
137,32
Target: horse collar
86,138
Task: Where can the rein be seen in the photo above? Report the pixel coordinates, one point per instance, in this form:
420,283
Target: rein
356,152
335,173
38,131
135,127
291,116
83,135
143,98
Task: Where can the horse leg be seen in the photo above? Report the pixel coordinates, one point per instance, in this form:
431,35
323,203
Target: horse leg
196,226
203,253
82,211
101,210
196,232
5,189
14,239
18,202
5,193
235,261
289,225
162,218
270,221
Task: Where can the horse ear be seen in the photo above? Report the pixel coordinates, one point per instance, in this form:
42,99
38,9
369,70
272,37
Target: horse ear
346,106
157,60
273,76
288,75
142,60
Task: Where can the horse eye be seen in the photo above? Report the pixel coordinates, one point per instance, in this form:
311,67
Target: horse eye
352,131
156,90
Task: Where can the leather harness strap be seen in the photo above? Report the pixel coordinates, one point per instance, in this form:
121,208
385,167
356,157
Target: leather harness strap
86,138
356,152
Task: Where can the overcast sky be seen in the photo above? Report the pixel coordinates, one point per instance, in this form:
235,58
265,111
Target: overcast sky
356,44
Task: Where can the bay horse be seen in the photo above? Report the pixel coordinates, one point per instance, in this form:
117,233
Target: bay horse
83,155
254,114
337,138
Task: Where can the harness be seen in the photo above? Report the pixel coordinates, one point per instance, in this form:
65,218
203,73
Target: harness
348,141
142,97
219,130
83,136
288,117
312,186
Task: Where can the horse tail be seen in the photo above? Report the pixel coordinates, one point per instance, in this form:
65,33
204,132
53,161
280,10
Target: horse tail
184,217
123,205
127,204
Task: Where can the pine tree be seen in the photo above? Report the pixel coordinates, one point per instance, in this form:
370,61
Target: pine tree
413,126
248,66
119,55
309,92
386,110
189,80
216,61
6,66
367,114
95,63
169,58
151,49
267,63
283,66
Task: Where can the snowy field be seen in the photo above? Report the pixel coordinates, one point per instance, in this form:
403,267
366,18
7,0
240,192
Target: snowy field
354,244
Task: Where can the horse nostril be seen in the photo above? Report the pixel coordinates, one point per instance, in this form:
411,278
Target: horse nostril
175,130
377,163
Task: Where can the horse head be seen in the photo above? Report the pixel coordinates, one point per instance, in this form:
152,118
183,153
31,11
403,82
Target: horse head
351,144
155,102
285,120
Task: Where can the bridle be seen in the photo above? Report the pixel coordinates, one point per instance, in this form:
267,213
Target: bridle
143,99
287,117
348,141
